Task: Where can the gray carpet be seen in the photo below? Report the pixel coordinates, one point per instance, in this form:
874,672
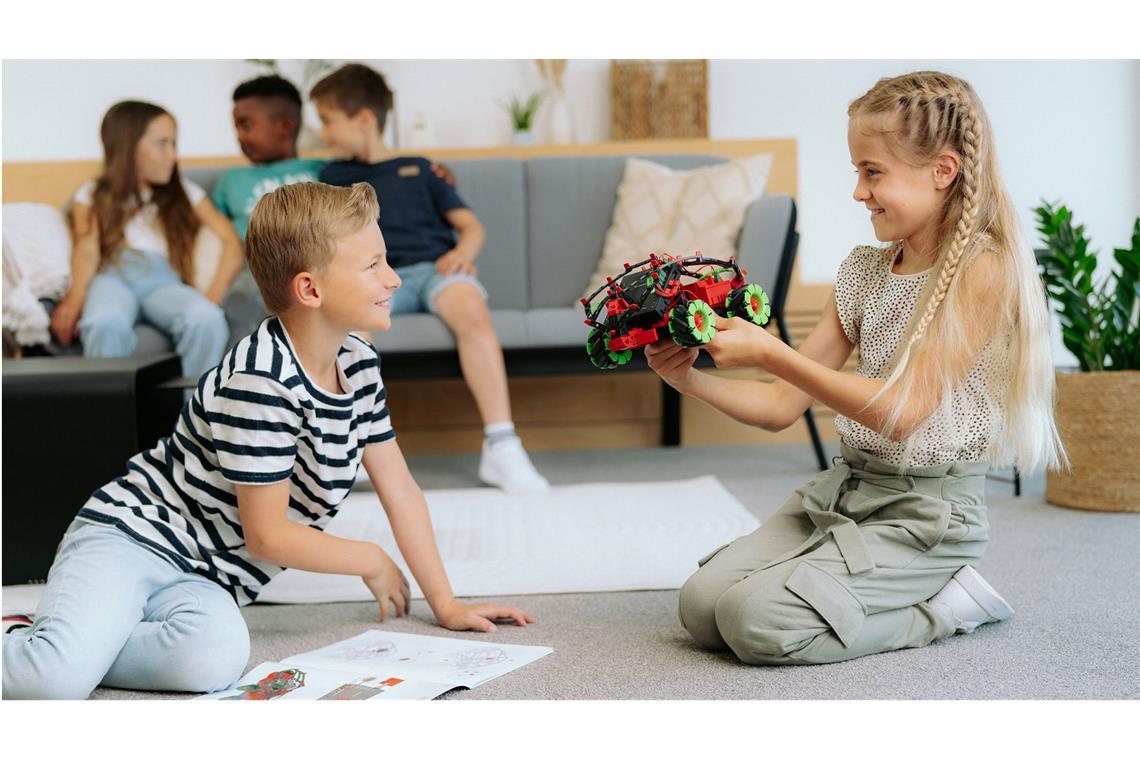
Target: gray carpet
1070,575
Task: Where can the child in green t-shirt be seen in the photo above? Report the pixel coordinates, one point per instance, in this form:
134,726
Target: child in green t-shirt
267,118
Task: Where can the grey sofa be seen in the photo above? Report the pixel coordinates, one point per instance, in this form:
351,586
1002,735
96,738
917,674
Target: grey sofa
546,220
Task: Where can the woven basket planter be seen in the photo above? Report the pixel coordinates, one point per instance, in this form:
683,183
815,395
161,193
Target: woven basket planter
1098,415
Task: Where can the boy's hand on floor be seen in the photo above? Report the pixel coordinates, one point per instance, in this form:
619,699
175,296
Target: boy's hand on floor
479,617
389,586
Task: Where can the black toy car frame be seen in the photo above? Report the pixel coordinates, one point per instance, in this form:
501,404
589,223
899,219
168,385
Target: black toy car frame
651,300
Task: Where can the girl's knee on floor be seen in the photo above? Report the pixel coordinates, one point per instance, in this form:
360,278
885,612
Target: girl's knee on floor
763,622
696,608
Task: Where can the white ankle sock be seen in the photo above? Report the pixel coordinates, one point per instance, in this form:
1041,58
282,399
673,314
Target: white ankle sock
497,432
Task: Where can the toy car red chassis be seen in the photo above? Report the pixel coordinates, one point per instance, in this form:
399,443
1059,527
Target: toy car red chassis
652,300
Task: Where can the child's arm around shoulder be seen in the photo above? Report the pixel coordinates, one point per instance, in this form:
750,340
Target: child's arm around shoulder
404,503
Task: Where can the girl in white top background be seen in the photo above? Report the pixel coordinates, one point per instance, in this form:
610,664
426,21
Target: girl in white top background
134,229
954,375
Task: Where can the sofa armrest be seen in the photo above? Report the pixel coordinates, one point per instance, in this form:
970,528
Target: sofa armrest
766,246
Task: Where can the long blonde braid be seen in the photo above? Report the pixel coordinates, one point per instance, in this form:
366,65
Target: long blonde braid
970,140
920,116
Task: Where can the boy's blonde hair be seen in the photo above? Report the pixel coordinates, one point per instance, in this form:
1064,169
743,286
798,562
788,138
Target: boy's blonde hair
921,115
295,228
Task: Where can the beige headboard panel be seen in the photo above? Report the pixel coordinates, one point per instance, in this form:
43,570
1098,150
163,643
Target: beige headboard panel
54,181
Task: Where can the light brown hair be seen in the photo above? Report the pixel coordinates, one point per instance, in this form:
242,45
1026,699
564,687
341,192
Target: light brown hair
295,228
116,197
355,86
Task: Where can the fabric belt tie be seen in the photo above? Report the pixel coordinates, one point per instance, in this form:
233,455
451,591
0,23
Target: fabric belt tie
820,503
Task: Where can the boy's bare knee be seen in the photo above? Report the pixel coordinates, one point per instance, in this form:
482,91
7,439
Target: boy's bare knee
462,307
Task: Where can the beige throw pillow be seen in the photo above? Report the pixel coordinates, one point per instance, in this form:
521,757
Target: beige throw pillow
679,212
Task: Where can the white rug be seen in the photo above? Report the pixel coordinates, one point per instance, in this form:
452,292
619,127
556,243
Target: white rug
595,537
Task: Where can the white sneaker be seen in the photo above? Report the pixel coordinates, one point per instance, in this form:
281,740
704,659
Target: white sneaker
506,466
971,601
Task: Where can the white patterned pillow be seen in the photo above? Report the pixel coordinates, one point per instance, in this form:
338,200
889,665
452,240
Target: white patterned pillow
679,212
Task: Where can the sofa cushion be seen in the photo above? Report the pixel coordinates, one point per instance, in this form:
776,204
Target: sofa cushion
426,332
496,192
570,202
679,212
557,326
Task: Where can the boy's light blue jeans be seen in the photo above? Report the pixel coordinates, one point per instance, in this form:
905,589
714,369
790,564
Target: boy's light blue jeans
114,613
143,284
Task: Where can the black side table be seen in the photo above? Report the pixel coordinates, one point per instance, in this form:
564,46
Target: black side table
69,427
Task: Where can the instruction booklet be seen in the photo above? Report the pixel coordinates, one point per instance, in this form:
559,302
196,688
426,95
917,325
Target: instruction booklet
382,665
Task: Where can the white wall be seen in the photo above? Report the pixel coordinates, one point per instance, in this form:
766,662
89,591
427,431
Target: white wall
1067,130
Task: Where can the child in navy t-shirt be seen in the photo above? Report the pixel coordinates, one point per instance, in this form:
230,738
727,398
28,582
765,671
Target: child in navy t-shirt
433,240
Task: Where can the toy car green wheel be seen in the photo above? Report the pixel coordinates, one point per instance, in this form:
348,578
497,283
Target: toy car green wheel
597,351
600,355
749,302
621,357
692,324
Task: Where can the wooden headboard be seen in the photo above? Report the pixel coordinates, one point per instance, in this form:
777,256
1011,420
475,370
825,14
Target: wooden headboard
54,181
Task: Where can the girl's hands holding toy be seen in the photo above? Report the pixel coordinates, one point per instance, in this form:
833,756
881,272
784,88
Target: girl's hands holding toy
389,586
672,362
738,343
458,616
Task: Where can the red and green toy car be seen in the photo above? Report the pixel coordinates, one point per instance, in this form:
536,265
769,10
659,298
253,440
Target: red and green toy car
665,296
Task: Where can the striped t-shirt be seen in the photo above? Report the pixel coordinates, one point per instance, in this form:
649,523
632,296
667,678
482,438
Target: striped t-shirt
256,418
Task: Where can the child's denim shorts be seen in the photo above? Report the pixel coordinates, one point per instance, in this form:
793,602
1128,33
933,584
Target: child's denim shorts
421,283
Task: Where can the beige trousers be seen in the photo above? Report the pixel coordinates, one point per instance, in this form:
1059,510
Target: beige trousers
845,568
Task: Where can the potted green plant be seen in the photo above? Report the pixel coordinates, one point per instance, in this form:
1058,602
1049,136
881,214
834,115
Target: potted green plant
1098,405
522,117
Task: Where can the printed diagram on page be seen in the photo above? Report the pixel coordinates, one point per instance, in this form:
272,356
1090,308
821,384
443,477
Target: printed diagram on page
382,665
429,658
273,681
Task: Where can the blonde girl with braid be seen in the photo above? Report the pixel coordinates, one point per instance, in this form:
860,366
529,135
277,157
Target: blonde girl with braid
954,376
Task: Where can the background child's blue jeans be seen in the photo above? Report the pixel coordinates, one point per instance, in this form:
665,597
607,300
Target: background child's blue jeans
143,284
115,613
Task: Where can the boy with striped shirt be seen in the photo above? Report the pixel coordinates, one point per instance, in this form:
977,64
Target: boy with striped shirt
146,586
